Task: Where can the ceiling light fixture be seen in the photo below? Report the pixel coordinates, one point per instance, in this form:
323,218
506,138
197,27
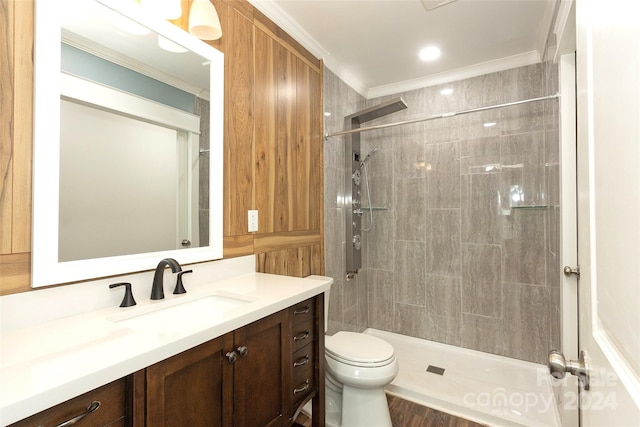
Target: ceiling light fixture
203,20
429,53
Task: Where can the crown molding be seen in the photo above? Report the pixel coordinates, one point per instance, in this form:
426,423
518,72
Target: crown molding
515,61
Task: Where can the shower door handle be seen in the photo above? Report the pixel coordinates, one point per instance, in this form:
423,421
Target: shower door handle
559,366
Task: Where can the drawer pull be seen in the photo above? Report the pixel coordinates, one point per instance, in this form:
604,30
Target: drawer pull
301,336
302,361
305,310
91,408
304,387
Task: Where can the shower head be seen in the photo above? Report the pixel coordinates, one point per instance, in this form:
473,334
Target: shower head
366,158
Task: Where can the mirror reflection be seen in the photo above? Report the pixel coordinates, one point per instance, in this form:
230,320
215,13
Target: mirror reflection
131,180
128,150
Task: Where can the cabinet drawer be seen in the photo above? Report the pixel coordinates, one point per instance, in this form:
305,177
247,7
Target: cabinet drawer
112,408
302,334
301,389
302,364
303,311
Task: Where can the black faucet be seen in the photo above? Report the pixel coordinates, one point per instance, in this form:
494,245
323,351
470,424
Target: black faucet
157,291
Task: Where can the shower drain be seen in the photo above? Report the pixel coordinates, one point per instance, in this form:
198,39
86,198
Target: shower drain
435,370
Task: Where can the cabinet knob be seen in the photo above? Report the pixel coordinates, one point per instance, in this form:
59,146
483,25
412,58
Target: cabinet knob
243,351
232,356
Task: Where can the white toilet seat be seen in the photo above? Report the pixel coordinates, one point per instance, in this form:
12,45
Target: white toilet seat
359,350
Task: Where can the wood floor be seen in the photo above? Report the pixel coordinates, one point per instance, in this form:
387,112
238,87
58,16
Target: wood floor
409,414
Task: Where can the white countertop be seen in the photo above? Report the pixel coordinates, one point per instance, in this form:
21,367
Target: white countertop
47,363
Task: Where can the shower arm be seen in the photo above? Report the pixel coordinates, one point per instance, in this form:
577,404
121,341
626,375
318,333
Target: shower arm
439,116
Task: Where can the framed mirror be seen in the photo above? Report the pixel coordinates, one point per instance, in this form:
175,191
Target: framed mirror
128,142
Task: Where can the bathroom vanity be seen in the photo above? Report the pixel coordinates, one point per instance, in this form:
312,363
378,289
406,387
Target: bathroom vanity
251,363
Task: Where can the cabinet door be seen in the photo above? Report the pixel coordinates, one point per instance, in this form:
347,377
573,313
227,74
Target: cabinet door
259,393
192,388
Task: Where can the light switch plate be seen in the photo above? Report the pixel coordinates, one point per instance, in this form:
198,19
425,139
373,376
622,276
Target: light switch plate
253,221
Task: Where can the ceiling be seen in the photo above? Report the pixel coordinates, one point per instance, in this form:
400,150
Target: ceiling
373,45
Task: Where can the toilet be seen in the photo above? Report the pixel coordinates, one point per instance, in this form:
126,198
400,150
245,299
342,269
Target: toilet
358,367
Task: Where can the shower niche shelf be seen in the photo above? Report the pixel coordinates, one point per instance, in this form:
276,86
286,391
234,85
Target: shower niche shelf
530,207
364,209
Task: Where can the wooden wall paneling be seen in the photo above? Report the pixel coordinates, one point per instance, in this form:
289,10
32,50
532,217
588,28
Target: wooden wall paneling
316,167
237,45
285,140
317,259
302,150
265,130
16,140
234,246
6,129
286,240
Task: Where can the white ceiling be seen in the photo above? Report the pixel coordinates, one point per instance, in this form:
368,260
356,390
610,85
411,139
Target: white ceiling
373,45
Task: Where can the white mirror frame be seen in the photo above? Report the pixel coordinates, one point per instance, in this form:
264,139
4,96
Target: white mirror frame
46,270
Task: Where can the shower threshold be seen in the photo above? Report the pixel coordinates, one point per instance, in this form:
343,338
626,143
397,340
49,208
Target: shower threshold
482,387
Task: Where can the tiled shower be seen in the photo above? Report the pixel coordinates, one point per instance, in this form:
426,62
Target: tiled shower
464,244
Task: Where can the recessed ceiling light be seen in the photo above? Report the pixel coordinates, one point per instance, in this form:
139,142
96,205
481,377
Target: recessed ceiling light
429,53
446,91
489,124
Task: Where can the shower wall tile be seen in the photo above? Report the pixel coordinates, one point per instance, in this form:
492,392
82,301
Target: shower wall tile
334,237
451,261
408,151
480,155
552,243
481,219
409,208
443,242
444,296
409,277
380,256
442,130
526,322
336,309
524,253
410,320
482,280
522,118
443,177
482,333
380,294
522,170
523,83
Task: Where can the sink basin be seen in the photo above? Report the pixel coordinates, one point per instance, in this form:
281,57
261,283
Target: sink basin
183,317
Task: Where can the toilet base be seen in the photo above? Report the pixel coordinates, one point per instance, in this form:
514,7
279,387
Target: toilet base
364,407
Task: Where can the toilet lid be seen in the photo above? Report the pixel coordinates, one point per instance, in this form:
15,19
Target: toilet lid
358,349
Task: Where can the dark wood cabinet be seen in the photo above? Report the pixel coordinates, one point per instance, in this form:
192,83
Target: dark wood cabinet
259,375
112,409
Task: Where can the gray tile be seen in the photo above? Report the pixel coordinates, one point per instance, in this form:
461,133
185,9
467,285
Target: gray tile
378,174
522,170
482,280
555,319
444,329
363,300
524,254
409,273
552,245
522,118
444,315
443,242
350,291
409,209
381,299
408,151
442,130
351,319
443,175
336,310
481,155
380,253
523,83
334,237
482,333
480,199
410,320
526,322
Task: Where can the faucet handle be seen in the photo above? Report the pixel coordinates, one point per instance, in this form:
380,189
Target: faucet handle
128,300
179,286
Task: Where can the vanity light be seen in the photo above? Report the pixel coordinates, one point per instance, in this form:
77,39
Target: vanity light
446,91
203,20
429,53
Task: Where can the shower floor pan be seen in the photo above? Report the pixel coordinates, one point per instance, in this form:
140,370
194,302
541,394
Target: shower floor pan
478,386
